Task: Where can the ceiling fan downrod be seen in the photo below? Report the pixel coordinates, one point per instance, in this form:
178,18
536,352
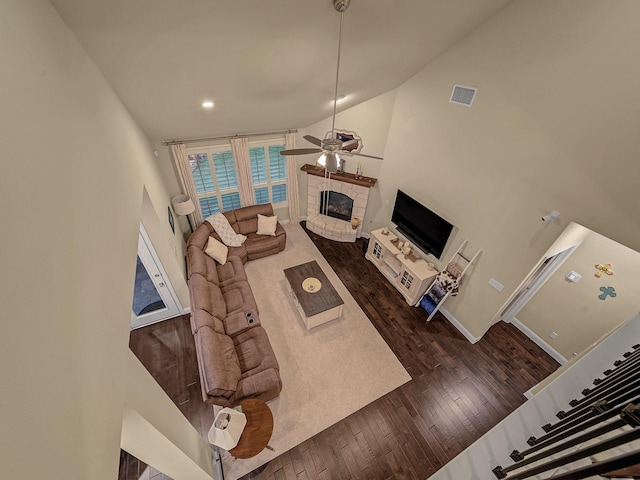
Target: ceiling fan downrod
340,6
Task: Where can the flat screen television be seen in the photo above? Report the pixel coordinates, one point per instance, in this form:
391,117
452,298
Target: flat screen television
426,229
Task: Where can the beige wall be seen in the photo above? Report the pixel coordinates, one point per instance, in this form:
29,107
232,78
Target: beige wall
573,310
552,127
75,166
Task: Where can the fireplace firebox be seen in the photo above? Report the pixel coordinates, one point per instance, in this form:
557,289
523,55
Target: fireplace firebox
336,205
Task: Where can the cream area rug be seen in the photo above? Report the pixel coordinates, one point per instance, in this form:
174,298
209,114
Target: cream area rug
328,372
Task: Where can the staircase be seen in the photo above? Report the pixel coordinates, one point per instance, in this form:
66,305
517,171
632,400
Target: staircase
574,437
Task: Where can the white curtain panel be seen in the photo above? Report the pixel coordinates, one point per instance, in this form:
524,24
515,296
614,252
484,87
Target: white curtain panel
240,150
292,179
181,159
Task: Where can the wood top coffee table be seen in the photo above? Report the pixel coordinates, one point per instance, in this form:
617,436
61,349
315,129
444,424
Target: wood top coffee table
257,432
314,296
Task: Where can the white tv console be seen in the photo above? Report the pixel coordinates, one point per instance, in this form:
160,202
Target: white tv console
411,278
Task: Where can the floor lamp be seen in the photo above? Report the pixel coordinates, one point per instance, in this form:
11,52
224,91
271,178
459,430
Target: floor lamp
183,205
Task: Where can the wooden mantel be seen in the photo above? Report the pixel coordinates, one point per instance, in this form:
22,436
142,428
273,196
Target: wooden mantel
342,177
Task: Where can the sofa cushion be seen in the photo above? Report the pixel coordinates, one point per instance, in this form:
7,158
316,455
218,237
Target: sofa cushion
217,250
201,318
206,296
265,385
231,272
222,367
247,217
267,225
261,243
254,351
226,232
200,263
239,298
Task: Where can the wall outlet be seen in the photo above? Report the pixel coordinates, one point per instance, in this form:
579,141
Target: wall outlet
496,284
553,335
175,250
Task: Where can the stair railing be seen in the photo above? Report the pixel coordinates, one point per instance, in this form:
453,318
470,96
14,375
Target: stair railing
607,418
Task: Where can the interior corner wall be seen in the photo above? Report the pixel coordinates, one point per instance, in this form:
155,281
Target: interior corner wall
370,120
548,130
574,311
75,165
172,259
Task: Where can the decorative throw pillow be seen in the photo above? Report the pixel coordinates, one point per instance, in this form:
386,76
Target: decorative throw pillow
217,250
267,225
222,227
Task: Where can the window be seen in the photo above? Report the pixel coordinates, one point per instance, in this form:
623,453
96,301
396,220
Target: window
215,175
269,172
216,180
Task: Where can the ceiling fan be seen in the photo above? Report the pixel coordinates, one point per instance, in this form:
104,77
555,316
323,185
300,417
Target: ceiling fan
336,143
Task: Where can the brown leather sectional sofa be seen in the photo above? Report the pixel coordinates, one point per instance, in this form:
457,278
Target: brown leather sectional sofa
235,358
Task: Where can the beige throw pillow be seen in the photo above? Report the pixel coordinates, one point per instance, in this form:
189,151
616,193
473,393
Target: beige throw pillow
217,250
267,225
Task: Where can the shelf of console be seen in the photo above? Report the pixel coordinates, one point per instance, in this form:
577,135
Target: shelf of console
410,277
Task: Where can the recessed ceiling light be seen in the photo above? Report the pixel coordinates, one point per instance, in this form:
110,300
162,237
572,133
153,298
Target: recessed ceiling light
207,104
341,98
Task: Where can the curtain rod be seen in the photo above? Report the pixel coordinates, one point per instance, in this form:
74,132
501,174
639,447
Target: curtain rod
228,137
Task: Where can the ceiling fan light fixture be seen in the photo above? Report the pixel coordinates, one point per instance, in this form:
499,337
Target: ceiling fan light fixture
329,161
332,162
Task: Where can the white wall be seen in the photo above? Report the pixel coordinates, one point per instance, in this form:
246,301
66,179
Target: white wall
551,128
74,169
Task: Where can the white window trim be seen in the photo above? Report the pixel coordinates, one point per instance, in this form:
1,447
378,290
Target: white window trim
217,192
269,184
226,147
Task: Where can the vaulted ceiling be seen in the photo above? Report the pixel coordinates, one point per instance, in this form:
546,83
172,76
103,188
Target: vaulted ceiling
267,64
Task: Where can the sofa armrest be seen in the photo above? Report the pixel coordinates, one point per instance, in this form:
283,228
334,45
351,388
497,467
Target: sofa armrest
239,322
264,385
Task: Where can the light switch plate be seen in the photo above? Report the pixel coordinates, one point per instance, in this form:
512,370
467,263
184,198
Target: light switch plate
573,276
496,284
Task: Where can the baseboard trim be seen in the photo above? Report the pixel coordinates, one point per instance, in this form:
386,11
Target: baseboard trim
539,341
454,321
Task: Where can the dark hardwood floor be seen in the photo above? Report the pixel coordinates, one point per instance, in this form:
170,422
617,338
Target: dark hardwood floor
457,393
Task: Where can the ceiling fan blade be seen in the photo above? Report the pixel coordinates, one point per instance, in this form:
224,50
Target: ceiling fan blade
301,151
314,140
348,143
363,155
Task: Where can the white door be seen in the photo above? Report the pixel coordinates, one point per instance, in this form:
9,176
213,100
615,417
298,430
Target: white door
534,282
153,297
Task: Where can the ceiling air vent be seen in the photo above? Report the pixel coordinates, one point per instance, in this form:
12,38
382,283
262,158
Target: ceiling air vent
463,95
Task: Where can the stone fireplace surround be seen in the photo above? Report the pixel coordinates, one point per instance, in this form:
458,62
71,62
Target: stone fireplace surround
329,227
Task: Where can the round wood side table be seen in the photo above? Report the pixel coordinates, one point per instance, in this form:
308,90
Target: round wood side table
257,432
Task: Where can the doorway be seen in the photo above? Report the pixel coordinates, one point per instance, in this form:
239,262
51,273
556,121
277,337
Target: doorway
536,279
154,299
